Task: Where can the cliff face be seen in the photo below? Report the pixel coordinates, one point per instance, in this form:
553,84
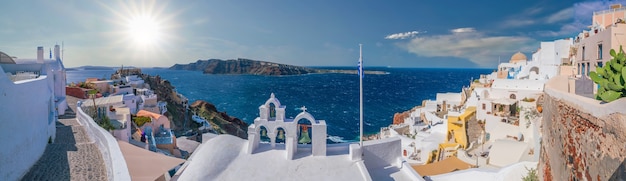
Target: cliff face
398,118
179,116
176,111
243,66
221,122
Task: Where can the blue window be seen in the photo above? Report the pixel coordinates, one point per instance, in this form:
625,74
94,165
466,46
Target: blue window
599,51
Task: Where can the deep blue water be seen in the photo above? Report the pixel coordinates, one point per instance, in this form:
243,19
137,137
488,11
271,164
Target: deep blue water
330,97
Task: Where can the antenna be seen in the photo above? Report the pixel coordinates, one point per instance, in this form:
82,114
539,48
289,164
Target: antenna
62,50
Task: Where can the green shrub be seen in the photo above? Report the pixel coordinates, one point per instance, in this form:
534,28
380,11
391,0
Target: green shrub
532,175
141,120
611,77
106,124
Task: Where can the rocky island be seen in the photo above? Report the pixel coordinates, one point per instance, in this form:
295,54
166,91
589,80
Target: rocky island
255,67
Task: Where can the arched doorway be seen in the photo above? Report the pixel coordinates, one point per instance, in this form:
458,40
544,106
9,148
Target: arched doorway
535,69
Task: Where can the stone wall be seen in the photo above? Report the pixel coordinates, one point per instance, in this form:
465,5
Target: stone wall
107,144
582,139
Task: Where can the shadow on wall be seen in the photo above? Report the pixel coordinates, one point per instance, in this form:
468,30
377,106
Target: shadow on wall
54,164
620,172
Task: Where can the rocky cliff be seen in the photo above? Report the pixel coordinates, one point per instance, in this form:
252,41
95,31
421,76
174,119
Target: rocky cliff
255,67
221,122
178,114
243,66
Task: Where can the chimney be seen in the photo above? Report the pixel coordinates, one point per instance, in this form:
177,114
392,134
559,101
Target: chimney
57,52
39,54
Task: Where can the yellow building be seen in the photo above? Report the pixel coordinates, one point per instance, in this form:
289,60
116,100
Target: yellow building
457,135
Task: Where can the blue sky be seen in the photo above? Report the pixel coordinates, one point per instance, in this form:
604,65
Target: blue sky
309,33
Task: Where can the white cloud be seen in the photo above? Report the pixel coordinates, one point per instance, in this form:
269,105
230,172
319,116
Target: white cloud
463,30
565,14
404,35
581,14
474,46
533,10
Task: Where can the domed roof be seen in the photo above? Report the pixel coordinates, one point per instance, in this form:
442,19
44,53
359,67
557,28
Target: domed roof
518,57
6,59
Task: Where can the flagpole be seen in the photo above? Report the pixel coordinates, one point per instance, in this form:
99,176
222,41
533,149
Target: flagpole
361,73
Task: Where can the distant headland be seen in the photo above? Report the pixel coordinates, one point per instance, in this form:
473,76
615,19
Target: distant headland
255,67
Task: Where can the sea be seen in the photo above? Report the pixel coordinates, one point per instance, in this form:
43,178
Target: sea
330,97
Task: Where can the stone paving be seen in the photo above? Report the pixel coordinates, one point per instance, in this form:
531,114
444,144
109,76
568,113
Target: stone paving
72,156
473,130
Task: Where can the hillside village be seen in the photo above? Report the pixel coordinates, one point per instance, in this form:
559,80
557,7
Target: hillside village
556,114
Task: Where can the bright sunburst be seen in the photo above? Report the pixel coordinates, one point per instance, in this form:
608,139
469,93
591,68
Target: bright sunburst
144,30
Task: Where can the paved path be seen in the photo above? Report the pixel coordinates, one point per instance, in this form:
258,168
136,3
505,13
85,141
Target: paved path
72,156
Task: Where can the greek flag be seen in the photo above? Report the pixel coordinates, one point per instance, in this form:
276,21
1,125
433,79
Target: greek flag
360,68
51,53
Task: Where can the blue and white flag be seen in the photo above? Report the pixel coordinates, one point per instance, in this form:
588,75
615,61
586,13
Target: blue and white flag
360,69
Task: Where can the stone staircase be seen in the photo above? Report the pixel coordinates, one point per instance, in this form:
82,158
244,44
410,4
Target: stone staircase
72,155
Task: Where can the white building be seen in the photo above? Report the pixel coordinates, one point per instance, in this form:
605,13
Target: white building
148,100
448,101
134,81
229,155
272,124
547,60
120,119
120,88
104,103
32,93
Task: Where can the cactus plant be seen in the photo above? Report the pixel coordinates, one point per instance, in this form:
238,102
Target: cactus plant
611,77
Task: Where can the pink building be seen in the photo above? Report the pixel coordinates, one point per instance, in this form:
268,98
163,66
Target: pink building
608,17
592,47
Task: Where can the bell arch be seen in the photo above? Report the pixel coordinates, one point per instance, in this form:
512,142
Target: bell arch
305,115
305,131
281,134
263,133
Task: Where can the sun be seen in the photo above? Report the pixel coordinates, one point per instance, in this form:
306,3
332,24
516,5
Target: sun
144,30
141,30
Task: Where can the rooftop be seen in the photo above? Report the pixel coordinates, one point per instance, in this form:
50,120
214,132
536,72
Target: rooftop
227,162
149,114
146,165
105,100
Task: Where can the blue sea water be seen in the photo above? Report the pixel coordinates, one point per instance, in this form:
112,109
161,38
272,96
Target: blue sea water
330,97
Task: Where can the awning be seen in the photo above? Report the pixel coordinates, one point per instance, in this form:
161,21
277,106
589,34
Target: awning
504,101
144,164
444,166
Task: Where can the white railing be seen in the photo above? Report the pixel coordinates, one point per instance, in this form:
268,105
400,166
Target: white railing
609,11
107,144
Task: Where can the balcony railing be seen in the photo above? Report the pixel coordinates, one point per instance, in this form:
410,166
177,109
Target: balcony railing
609,11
